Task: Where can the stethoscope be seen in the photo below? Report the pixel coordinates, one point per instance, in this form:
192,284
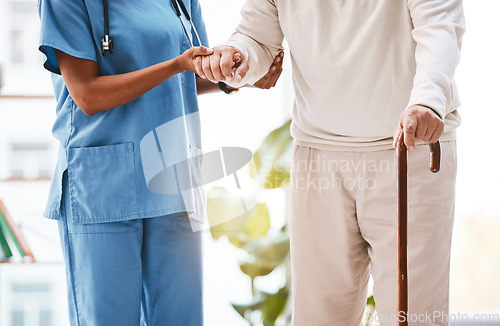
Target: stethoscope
107,42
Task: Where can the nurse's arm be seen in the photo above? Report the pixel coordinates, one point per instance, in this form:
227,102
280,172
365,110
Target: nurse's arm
94,93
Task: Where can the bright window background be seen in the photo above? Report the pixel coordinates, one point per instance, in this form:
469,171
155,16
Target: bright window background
34,294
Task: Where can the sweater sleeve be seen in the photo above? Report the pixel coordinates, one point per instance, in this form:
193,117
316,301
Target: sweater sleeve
259,37
438,27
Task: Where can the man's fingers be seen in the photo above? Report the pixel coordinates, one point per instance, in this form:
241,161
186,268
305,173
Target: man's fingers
278,61
273,74
422,131
431,129
427,124
410,127
237,57
207,70
276,73
436,134
216,69
227,61
428,128
272,77
420,123
195,55
432,138
277,77
267,84
396,135
198,66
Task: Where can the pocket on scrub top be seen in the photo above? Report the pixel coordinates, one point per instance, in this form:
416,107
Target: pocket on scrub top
102,183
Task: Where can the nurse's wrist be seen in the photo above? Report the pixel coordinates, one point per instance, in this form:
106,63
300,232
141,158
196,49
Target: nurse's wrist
178,65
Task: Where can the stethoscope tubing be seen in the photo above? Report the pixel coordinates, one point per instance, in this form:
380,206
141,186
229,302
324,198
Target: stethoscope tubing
106,42
180,3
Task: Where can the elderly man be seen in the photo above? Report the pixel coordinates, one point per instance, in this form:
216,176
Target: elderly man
363,71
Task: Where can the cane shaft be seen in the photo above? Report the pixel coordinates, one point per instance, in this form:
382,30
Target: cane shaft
435,159
402,233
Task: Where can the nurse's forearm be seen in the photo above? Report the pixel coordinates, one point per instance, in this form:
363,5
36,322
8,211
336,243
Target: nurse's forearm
94,93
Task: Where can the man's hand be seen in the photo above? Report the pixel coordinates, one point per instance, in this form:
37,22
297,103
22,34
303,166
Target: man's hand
225,62
419,123
272,76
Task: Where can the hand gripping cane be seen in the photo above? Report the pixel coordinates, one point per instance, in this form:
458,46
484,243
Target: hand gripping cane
403,221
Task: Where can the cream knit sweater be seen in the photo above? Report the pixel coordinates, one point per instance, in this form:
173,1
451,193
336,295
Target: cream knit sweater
357,64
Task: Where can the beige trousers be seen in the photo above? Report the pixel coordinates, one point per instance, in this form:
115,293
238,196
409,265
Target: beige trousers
343,227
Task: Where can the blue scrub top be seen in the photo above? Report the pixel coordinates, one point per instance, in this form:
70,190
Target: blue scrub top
102,153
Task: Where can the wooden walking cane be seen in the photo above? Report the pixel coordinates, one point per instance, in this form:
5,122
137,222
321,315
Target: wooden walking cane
403,221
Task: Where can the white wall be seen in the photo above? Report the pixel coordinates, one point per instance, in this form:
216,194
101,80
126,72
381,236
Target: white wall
475,282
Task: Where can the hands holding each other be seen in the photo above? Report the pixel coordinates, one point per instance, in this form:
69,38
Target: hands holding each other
224,62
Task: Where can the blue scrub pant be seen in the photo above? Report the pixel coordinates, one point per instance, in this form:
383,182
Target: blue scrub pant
130,273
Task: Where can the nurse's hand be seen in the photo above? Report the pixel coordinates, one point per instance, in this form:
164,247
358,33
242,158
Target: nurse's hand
225,62
186,60
419,123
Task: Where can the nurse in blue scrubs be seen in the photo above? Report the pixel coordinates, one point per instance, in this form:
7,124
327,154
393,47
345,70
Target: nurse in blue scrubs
131,256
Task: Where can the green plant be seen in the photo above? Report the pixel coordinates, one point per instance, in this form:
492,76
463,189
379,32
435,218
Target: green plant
267,250
369,310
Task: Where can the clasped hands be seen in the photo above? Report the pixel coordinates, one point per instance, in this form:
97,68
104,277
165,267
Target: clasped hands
226,62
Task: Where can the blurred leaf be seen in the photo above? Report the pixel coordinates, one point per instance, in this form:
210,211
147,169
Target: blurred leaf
270,165
274,306
259,222
370,302
243,308
270,249
258,268
279,174
224,205
240,230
